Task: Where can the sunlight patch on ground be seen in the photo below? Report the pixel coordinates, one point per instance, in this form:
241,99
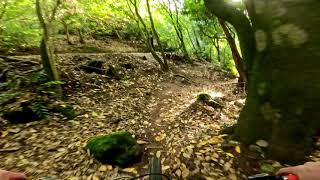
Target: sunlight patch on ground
214,94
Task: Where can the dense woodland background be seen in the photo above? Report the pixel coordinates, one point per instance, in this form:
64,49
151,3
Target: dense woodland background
183,27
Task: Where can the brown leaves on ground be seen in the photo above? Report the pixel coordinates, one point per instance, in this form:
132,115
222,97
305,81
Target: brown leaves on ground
160,109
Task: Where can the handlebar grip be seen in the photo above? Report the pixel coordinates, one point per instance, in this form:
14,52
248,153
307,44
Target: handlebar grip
292,177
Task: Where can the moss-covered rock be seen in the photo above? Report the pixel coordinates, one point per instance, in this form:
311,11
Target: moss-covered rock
208,100
203,97
66,110
118,148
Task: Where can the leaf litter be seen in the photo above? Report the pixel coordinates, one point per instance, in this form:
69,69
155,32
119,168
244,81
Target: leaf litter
160,109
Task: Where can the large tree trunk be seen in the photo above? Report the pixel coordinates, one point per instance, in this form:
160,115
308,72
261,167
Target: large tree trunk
238,61
283,100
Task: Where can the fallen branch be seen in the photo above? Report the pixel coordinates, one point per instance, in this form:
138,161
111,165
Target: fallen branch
31,71
10,59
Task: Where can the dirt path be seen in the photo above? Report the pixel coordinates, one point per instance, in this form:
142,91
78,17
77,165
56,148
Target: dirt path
158,108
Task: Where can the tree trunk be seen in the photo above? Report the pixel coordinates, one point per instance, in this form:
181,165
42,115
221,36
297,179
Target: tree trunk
192,44
283,94
66,30
46,49
283,100
81,38
178,28
155,34
146,35
216,44
235,54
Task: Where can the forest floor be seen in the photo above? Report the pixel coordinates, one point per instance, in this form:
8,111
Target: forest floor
160,109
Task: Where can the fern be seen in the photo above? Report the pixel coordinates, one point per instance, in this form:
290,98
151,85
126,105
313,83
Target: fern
40,109
7,97
39,77
52,83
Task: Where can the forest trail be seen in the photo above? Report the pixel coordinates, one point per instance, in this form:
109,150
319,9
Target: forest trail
160,109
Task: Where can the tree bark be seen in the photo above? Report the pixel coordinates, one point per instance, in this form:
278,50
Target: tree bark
238,61
46,49
66,30
146,35
81,38
242,25
156,35
216,44
283,99
178,28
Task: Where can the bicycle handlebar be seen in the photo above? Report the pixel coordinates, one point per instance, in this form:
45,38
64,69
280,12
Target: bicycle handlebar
268,177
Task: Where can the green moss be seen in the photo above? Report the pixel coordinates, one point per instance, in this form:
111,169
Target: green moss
66,110
118,148
203,97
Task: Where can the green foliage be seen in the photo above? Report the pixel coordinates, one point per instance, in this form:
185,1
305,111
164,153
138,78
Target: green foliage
40,108
19,26
7,97
39,77
65,110
118,148
203,97
52,84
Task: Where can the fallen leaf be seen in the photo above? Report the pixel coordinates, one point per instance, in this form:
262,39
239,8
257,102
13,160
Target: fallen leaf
109,167
158,154
164,168
141,142
32,130
214,140
208,178
238,150
16,130
95,177
227,166
160,137
94,114
202,143
262,143
229,154
178,172
185,173
130,170
102,168
4,133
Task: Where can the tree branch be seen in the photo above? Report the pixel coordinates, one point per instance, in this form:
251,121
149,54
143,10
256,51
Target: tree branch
55,9
242,25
